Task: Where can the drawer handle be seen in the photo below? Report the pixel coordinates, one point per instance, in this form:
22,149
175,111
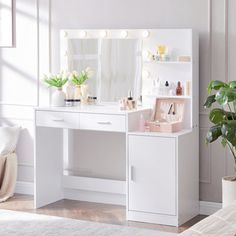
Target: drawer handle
58,120
104,122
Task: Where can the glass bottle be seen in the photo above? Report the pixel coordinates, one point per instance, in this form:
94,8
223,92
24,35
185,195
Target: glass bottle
179,89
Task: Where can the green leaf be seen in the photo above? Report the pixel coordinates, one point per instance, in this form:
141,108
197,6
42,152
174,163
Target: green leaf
210,100
225,95
229,131
232,84
213,134
215,85
217,115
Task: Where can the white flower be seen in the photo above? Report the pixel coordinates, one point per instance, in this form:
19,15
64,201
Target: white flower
89,72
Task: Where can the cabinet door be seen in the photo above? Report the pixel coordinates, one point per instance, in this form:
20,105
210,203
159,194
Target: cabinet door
152,174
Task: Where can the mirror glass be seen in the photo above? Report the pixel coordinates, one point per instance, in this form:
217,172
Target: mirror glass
117,64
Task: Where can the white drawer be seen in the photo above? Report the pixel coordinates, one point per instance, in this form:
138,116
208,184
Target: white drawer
57,119
103,122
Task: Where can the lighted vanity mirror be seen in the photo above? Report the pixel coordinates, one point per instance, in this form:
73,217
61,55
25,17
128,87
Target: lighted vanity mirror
117,64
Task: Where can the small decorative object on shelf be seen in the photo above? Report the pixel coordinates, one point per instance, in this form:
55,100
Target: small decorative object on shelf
179,90
57,81
92,100
184,58
162,53
128,103
81,89
187,88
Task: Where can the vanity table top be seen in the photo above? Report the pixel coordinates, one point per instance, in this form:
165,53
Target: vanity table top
102,109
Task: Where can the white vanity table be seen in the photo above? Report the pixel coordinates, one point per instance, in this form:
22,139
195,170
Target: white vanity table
55,142
95,153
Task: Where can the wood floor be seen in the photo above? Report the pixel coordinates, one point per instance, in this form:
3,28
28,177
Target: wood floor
111,214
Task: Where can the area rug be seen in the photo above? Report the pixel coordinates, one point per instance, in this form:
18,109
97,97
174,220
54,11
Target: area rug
27,224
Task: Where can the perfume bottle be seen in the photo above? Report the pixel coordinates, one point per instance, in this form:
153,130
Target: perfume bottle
167,88
179,89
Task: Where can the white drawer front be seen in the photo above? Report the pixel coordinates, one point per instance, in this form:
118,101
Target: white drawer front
103,122
57,119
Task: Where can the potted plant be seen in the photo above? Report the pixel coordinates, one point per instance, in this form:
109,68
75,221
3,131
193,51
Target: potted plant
78,79
223,119
57,81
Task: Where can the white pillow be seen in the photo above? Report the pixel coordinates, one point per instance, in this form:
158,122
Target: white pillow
8,139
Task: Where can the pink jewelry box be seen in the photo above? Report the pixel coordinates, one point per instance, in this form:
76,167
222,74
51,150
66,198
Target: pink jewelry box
167,115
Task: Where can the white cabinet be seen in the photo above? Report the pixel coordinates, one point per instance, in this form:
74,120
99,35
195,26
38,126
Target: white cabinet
152,174
162,177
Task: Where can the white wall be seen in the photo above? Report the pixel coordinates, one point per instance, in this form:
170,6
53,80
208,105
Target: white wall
37,50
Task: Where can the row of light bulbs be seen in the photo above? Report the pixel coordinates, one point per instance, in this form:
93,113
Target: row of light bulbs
104,34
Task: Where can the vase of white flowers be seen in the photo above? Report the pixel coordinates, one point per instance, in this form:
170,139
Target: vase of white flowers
81,89
57,81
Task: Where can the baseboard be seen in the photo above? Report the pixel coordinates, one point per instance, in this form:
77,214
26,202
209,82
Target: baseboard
208,208
24,188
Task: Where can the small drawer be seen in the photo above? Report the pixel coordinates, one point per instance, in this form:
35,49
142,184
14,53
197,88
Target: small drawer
55,119
102,122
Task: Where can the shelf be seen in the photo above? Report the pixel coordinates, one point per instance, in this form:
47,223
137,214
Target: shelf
94,184
169,62
168,96
161,134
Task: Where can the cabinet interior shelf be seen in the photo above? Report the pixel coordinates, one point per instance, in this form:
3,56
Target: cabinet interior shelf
169,96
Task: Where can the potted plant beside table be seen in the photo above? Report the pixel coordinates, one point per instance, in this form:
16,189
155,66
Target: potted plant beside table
223,119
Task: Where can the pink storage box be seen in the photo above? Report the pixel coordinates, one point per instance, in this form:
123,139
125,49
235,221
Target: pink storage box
167,115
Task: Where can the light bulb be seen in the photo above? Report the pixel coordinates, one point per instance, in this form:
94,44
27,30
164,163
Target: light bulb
124,34
104,34
83,34
65,34
145,33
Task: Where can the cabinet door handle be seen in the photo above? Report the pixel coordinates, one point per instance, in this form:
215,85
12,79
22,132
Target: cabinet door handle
131,173
58,119
104,122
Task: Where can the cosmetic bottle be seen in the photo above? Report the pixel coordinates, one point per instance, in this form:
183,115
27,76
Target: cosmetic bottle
130,101
77,102
187,88
69,102
179,89
167,88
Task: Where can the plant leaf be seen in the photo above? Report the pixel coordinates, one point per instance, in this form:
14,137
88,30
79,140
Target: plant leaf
225,95
228,130
232,84
213,134
215,85
217,115
210,100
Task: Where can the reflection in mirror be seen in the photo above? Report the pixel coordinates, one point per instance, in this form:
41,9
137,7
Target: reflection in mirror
117,64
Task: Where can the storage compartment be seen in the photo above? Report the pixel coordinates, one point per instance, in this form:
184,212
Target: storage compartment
152,174
167,115
57,119
103,122
95,154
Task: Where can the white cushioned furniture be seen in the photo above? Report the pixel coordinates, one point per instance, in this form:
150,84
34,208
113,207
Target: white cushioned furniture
8,161
222,223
